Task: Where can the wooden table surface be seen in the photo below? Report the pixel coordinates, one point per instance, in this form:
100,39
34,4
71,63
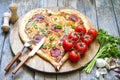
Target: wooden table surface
104,14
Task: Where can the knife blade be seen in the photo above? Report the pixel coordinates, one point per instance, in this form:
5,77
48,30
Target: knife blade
32,53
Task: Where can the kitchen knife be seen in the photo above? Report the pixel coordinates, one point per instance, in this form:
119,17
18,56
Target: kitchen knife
32,53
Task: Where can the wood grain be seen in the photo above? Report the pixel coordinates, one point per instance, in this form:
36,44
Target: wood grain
116,9
90,12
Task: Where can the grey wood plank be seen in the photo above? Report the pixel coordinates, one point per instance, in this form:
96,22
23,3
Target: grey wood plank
87,7
49,3
22,73
116,7
6,57
106,17
3,9
80,6
71,75
106,21
39,76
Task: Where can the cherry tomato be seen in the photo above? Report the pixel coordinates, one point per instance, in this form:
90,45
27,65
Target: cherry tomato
92,32
87,39
73,36
81,47
67,44
74,56
80,29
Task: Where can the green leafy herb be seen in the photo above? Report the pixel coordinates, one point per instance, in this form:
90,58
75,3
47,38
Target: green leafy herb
73,26
55,19
43,31
58,26
108,48
51,38
66,30
53,45
32,22
46,46
36,26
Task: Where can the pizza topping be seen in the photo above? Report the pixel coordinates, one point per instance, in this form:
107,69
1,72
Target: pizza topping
55,52
39,17
46,45
56,28
64,37
73,26
66,30
53,45
44,32
73,18
55,19
51,38
37,38
49,14
36,26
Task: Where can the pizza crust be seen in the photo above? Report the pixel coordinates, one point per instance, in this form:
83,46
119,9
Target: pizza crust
25,38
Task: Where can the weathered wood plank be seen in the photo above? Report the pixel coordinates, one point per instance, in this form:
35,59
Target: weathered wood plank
2,35
88,8
69,76
106,21
3,9
72,75
22,73
116,7
106,17
63,3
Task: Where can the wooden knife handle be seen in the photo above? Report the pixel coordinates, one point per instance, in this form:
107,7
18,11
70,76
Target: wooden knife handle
12,61
20,64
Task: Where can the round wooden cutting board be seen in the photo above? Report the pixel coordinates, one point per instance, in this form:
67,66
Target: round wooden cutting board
39,64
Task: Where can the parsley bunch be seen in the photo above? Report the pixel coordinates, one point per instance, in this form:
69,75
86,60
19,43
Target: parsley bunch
109,47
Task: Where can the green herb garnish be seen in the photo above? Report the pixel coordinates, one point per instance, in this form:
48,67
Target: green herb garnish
55,19
43,31
58,26
36,26
66,30
51,38
53,45
46,45
108,48
32,22
73,26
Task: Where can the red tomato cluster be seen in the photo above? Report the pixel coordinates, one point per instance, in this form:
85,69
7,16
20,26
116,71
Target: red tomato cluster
78,42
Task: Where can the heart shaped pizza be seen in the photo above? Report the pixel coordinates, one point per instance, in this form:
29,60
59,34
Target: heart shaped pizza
65,33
